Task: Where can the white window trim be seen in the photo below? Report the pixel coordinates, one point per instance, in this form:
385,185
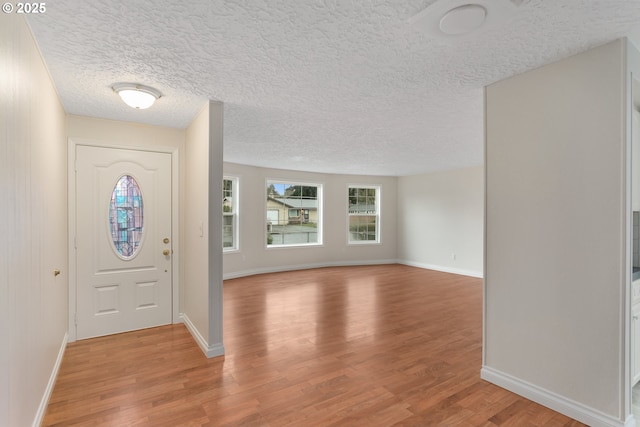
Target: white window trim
235,214
320,223
378,215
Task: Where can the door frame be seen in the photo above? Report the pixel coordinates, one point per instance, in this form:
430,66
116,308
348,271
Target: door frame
71,206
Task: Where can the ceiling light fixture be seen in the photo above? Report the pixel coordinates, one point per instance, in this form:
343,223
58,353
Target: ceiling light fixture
137,95
455,19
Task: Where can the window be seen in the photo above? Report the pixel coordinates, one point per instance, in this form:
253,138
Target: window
364,214
126,217
230,214
293,214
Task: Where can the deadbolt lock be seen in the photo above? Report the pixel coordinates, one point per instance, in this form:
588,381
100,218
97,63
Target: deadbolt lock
165,240
165,252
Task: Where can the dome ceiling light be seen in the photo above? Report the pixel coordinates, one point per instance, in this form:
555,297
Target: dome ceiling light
136,95
452,19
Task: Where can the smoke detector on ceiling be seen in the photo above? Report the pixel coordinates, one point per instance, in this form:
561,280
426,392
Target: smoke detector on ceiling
454,19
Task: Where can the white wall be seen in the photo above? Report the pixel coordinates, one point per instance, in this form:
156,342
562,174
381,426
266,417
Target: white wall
33,226
556,235
202,287
253,256
441,215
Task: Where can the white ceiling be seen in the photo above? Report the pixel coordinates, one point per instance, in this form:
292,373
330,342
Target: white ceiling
318,85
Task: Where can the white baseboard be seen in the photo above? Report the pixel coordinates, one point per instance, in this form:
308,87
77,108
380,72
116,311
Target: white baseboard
460,271
568,407
213,350
281,268
42,408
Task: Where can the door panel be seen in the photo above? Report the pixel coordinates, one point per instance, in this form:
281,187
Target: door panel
117,293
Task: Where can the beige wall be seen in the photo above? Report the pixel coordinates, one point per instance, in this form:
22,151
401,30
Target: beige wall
126,134
195,292
33,225
202,286
253,256
440,220
556,235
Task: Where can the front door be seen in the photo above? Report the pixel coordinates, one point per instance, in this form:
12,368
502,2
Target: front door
123,240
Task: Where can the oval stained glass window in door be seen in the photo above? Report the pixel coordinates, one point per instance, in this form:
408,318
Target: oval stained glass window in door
126,217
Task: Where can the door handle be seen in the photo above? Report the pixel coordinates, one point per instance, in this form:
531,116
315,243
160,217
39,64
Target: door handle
165,252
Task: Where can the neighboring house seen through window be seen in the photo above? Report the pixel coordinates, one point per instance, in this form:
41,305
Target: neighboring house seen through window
230,214
293,214
364,214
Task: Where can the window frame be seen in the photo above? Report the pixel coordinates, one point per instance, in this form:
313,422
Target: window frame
319,216
377,215
234,214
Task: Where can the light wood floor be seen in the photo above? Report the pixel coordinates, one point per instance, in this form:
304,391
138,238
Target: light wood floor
350,346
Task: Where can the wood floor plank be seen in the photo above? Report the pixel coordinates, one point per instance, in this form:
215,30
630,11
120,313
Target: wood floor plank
385,345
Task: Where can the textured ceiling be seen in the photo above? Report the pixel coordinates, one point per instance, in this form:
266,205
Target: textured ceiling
333,86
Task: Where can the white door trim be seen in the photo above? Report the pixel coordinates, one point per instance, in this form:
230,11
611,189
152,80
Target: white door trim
175,223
